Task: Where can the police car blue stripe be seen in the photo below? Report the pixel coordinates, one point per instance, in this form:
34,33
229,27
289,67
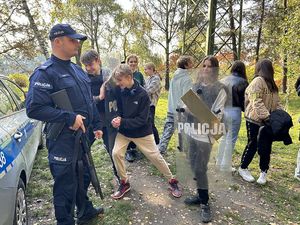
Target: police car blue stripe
11,150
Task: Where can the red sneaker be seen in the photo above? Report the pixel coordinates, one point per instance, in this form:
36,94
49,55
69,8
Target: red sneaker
175,191
122,190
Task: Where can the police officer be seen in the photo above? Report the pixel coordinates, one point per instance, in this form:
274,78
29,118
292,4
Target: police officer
58,73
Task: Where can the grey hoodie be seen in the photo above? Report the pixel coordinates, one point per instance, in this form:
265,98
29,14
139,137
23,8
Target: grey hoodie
179,85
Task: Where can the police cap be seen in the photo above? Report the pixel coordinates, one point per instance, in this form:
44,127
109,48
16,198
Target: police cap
60,30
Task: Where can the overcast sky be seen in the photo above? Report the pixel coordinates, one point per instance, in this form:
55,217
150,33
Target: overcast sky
126,4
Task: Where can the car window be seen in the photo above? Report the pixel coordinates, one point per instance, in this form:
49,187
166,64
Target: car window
7,105
17,92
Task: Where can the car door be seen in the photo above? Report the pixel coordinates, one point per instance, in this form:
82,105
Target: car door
11,159
25,131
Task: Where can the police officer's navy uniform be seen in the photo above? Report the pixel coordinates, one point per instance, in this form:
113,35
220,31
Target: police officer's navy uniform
54,75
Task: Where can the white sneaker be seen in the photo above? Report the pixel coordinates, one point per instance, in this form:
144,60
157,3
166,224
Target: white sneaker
262,178
246,175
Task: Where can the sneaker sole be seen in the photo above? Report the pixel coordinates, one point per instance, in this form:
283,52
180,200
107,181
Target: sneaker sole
261,183
176,196
192,204
252,180
206,221
121,196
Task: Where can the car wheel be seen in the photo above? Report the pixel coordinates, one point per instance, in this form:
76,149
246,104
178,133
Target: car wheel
21,217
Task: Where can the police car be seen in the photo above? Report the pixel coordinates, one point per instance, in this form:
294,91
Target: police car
20,138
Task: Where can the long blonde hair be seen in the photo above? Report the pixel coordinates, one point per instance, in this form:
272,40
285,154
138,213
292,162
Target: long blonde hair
151,65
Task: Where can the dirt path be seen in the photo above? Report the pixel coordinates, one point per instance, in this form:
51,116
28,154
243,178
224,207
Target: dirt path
237,203
233,201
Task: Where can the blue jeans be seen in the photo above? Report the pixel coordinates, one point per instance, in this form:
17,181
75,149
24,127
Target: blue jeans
232,119
297,170
168,131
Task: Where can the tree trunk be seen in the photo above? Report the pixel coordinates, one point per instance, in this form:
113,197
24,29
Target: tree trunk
36,32
167,78
232,31
285,58
260,29
285,71
240,29
184,27
96,30
77,57
124,48
210,34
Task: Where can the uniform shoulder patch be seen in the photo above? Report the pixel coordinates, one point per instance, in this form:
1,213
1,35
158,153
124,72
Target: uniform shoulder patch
45,65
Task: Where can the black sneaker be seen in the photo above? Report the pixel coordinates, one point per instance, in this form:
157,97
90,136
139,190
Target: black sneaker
205,213
122,190
90,215
130,155
194,200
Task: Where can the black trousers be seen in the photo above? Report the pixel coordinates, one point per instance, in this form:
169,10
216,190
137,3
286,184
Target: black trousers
259,140
154,129
199,154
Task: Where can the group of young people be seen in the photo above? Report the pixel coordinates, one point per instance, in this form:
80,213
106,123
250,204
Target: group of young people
119,107
227,98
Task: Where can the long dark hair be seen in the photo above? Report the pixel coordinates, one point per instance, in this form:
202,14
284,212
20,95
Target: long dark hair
239,68
214,61
264,69
214,65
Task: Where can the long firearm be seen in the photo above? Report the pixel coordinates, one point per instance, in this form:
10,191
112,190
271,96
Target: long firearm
62,101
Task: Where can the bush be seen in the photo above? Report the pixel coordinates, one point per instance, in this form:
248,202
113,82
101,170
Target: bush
21,79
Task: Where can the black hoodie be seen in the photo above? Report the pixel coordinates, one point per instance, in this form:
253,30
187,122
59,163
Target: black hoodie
134,106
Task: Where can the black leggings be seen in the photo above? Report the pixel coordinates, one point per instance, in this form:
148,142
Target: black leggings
259,139
154,129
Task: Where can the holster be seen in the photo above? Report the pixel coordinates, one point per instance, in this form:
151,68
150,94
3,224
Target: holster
53,130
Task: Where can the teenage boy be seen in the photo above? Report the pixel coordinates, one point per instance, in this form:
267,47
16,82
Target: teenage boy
134,125
98,76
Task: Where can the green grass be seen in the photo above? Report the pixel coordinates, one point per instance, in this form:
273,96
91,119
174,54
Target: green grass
281,192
